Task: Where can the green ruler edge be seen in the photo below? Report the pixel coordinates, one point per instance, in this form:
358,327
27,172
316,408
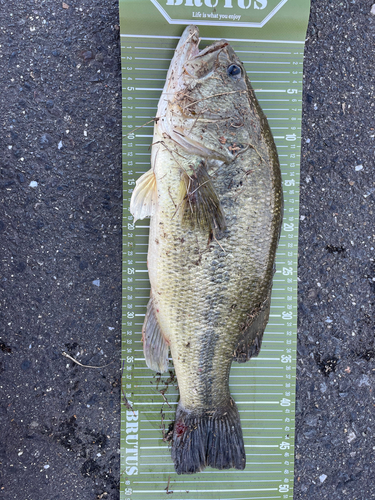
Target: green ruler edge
264,388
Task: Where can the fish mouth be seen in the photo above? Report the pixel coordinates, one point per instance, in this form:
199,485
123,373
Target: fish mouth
187,49
215,47
187,52
205,62
188,46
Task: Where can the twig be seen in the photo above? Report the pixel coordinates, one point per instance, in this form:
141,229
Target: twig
172,153
134,129
169,192
196,189
216,95
126,402
187,194
80,364
184,198
195,121
165,399
218,242
167,488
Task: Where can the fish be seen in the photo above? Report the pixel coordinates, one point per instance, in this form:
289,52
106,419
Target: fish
214,196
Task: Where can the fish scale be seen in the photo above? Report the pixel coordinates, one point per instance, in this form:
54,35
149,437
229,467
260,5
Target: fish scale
210,285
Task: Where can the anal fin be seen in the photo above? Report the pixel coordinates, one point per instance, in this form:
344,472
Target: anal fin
251,337
155,347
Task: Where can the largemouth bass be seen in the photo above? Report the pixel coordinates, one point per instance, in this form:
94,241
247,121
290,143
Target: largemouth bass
215,199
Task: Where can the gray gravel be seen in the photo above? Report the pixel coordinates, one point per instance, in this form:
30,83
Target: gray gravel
335,372
60,225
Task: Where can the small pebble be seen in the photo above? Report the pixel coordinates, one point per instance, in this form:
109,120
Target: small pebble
312,420
60,145
364,380
358,168
87,55
96,282
33,184
369,192
46,466
322,478
351,437
372,11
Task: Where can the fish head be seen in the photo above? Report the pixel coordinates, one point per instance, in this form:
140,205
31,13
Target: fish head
216,71
206,96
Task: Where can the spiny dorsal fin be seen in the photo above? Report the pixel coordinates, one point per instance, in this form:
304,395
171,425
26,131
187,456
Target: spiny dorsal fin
199,203
144,199
155,347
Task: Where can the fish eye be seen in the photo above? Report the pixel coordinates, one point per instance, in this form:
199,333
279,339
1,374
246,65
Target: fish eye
234,71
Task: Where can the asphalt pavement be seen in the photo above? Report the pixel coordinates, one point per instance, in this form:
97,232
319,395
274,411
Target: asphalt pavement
60,247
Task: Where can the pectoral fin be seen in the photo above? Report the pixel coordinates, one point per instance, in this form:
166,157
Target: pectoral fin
252,334
155,347
144,199
199,202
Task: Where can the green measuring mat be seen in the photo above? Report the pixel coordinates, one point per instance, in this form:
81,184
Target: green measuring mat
268,36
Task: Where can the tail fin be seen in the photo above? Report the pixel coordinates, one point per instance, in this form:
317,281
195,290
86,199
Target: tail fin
208,438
